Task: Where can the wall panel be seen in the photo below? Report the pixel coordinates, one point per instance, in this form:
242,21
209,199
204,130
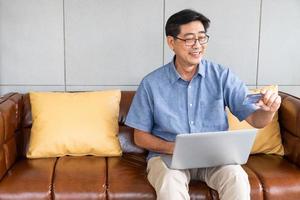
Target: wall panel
112,42
280,42
31,42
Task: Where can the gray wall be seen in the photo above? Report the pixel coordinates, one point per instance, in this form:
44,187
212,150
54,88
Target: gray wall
66,45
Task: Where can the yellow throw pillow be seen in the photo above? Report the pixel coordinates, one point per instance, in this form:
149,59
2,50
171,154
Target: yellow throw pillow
83,123
268,139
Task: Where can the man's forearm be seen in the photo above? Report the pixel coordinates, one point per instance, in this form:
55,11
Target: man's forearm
260,118
152,143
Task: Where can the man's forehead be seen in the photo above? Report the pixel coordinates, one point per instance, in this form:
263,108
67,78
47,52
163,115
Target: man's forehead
191,26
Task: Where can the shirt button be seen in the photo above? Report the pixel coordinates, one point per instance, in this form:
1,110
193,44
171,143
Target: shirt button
191,104
192,122
190,87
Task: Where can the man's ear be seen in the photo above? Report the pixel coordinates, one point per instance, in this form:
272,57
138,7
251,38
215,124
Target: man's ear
170,41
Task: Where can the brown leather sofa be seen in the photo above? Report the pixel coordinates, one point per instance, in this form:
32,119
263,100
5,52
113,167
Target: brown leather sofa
88,177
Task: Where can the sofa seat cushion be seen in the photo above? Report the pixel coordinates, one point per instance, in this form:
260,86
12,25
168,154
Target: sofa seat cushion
255,184
80,178
279,178
127,178
28,179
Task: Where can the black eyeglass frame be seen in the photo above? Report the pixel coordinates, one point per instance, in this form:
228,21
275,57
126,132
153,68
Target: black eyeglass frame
196,39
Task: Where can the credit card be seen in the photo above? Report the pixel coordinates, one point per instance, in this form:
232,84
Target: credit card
252,98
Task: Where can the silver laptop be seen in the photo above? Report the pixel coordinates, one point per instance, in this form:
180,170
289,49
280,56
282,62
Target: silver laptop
210,149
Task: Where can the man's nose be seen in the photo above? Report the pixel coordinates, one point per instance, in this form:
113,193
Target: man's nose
197,44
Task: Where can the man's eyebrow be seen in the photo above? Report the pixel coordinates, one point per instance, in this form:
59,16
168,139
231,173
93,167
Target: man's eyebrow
188,34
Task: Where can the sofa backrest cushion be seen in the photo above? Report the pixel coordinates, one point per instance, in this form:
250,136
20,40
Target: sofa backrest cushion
267,140
82,123
125,133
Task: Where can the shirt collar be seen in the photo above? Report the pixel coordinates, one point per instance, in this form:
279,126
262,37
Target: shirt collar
202,68
174,75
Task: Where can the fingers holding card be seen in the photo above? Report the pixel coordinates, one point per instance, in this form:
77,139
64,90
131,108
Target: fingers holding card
270,100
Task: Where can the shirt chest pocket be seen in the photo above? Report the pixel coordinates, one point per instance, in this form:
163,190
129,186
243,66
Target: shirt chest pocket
213,114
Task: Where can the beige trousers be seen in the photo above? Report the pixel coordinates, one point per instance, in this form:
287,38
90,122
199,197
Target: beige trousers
231,181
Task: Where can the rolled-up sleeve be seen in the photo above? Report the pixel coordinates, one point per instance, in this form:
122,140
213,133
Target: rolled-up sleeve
140,115
235,92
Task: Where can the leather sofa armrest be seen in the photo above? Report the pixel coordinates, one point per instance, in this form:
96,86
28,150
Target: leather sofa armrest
289,119
2,157
10,118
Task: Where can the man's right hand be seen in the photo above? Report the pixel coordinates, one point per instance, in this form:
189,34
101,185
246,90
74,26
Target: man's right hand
150,142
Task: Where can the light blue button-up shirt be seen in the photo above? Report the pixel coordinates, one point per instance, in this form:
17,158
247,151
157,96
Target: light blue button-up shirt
166,105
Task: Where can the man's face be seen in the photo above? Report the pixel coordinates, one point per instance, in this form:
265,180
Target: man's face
189,53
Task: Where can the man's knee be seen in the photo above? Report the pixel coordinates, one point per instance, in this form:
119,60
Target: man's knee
175,186
168,183
235,183
177,176
234,174
237,173
238,179
172,185
174,179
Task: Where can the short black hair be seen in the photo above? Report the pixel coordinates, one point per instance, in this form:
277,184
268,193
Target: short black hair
184,17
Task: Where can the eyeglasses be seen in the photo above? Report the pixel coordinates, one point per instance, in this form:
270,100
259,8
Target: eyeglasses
192,41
